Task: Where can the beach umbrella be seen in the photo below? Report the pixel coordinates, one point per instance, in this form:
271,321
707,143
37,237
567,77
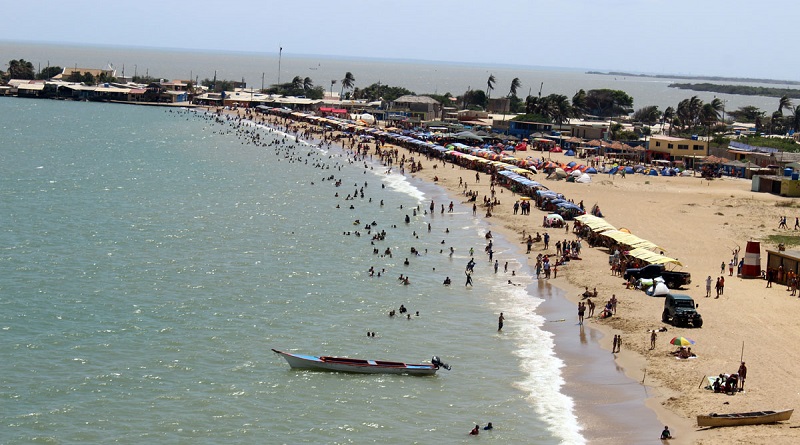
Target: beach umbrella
681,341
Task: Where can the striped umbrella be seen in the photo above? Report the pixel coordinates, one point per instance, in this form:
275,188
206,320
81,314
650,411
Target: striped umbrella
681,341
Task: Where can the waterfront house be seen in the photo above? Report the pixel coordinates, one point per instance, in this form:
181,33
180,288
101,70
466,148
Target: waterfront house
674,149
416,108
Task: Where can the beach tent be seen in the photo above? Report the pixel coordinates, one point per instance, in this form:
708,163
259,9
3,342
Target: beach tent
613,171
572,164
629,170
555,149
653,172
584,178
576,173
591,170
569,153
658,288
554,217
559,173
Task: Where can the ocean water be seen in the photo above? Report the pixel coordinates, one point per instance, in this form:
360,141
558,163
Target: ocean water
418,76
150,259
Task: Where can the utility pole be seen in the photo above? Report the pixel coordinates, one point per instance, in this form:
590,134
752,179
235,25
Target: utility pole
280,54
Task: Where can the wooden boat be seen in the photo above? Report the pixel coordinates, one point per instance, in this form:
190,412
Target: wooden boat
738,419
342,364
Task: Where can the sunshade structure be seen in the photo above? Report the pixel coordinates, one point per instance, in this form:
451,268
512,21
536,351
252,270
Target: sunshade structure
652,257
629,239
595,223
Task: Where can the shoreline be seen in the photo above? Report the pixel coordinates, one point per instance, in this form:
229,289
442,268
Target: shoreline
699,222
598,424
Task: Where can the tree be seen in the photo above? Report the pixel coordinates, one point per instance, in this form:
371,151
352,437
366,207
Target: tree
579,103
784,102
19,69
308,84
475,98
490,86
606,102
747,114
557,107
648,115
347,82
297,83
378,91
50,72
668,116
515,84
795,121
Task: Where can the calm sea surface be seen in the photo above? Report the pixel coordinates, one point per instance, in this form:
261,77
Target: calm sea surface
150,259
420,77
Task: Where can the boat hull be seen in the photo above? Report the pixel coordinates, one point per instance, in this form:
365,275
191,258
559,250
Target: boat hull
342,364
739,419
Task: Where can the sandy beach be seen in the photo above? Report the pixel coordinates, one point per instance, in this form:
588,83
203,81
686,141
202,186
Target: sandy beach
699,223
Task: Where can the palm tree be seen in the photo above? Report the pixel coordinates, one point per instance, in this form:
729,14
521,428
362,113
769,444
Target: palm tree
490,85
347,82
668,116
515,84
784,102
308,84
796,118
579,103
297,83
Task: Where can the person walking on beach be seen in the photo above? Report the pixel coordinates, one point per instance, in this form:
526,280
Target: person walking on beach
653,337
581,311
496,265
619,343
614,345
722,285
782,224
546,241
796,223
591,305
469,278
708,286
731,265
500,322
722,267
717,287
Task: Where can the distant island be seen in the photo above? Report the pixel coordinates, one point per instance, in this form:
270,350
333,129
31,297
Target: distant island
744,90
711,78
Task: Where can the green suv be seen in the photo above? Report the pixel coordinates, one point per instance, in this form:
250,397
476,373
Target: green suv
680,310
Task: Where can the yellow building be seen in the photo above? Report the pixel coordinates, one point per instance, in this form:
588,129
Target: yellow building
677,149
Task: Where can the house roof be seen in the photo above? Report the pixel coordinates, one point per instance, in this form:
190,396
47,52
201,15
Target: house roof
409,99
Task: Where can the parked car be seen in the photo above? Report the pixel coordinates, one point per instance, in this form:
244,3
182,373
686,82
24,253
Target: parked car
672,278
681,310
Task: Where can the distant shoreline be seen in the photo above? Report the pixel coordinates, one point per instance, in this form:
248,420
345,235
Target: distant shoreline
709,78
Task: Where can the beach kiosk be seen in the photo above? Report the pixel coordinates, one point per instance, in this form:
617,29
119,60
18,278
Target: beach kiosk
781,262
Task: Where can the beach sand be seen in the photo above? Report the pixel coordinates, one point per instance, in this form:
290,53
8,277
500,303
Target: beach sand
698,222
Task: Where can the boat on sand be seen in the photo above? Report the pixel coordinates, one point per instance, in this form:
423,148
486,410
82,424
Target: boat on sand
738,419
343,364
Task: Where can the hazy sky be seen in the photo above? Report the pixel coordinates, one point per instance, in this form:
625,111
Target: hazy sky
702,37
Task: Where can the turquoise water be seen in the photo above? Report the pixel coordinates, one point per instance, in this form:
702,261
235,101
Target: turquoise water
150,259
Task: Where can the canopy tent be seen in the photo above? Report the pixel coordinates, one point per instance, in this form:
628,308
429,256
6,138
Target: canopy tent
652,257
595,223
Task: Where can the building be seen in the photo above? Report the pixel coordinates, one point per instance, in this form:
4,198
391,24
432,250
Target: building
523,129
675,149
96,73
416,108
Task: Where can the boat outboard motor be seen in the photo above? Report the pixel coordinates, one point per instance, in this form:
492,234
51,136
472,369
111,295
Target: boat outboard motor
438,363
